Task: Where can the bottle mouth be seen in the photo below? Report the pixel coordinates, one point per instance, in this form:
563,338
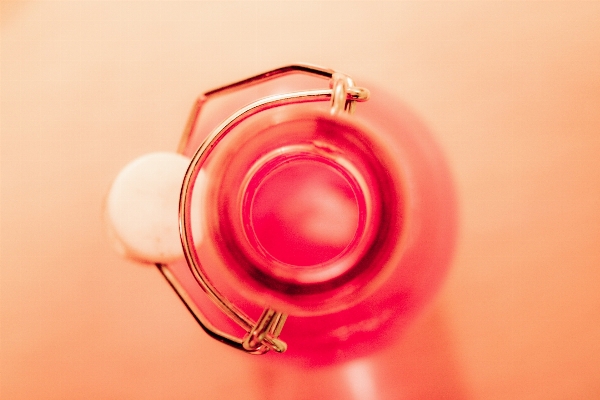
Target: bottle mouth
301,211
306,212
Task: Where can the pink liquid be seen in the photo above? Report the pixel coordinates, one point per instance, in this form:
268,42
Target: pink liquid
347,223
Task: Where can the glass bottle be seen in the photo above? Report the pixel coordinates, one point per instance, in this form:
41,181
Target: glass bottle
327,216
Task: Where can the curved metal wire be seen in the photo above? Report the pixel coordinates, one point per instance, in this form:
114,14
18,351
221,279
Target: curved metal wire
262,335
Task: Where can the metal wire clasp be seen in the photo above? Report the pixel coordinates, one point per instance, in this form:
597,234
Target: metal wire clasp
262,335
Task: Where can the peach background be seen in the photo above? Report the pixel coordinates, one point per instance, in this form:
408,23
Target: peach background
512,92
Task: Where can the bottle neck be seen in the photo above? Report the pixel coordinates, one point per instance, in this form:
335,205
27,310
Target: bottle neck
300,208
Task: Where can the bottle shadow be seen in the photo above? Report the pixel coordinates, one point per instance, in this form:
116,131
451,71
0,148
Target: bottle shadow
421,364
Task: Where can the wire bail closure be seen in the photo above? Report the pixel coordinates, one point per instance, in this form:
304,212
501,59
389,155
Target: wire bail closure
262,335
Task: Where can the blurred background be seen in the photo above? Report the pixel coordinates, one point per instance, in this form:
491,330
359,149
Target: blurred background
510,90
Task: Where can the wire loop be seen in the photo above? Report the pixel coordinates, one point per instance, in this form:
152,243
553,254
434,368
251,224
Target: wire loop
262,335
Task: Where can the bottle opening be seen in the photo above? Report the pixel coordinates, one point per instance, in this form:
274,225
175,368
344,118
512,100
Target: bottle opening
302,210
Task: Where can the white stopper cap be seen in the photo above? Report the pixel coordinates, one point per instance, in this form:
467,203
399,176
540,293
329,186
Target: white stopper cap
142,208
